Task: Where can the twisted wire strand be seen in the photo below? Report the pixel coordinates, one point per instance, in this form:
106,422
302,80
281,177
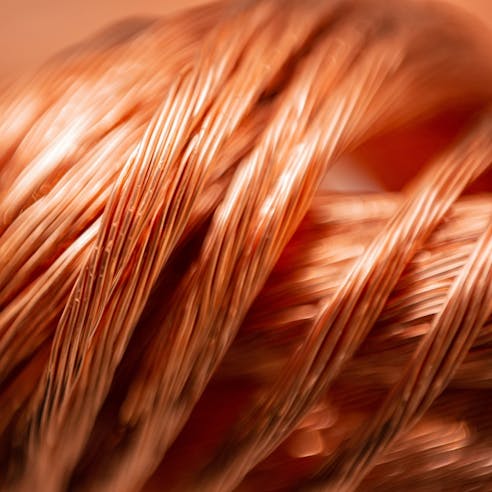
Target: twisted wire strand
166,244
310,271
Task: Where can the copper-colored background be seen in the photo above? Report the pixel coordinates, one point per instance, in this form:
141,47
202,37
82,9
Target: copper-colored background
32,30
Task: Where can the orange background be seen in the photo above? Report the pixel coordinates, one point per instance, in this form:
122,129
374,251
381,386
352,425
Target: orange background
33,30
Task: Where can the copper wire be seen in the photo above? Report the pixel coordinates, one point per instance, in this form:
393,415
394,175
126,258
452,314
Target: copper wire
183,304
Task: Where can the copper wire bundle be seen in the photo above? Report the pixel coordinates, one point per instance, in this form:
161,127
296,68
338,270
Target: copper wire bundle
184,303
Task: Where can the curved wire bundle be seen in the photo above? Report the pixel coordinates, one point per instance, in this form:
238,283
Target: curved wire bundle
183,303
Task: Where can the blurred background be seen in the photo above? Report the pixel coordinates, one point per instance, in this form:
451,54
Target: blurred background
33,30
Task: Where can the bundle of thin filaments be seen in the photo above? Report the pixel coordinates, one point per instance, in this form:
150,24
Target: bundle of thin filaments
186,304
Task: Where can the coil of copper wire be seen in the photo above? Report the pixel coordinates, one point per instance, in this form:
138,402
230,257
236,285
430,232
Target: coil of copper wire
192,298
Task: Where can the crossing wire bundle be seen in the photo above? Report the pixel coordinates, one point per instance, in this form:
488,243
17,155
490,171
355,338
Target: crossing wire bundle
184,305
